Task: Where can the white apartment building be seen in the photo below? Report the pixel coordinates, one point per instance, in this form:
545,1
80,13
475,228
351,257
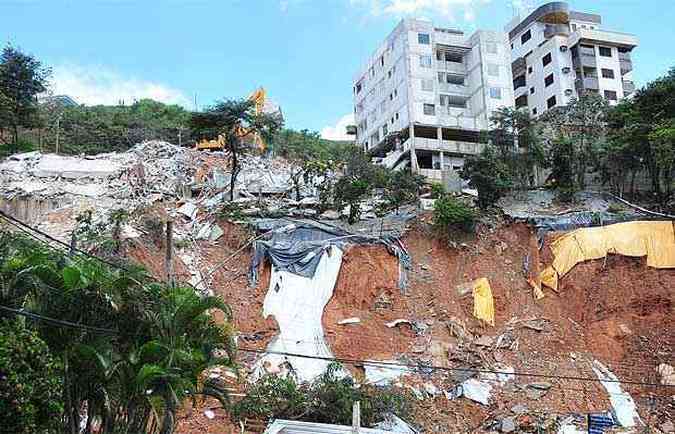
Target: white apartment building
426,94
559,54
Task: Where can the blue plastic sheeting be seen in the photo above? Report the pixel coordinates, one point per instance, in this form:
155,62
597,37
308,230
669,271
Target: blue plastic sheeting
598,423
296,246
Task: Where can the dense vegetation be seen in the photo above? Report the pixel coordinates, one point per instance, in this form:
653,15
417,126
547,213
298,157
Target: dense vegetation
328,399
125,351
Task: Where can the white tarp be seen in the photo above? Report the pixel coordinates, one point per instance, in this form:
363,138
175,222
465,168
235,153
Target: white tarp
384,372
622,403
297,304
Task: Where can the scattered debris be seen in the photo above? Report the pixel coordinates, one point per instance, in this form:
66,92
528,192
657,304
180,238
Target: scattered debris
622,403
353,320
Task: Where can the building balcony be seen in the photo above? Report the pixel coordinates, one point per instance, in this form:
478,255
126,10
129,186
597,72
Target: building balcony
453,67
603,37
625,64
449,146
628,87
456,89
556,30
587,83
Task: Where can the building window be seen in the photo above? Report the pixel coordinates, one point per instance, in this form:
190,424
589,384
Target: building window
529,70
551,102
610,95
425,61
429,109
491,47
607,73
385,130
546,59
531,90
605,51
525,37
574,27
512,45
495,93
493,70
534,111
396,115
548,80
395,93
423,38
427,85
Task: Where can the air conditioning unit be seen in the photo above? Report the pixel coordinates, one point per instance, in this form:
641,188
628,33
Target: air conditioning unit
566,70
563,48
568,92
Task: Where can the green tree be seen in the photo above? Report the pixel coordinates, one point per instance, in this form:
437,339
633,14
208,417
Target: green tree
580,128
451,213
236,121
488,174
30,383
22,79
135,377
359,179
401,188
516,137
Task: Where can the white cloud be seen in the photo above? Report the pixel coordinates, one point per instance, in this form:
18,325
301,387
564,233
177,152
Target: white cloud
339,131
448,9
93,85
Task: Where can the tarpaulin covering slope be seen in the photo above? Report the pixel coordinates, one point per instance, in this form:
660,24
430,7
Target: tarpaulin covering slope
653,239
297,304
483,304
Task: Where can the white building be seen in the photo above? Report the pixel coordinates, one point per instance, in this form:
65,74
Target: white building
559,54
433,91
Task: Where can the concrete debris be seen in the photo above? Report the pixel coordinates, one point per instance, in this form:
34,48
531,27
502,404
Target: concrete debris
353,320
667,374
209,414
508,424
189,210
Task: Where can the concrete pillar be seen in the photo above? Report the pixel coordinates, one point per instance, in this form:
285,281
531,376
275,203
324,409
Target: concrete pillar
442,161
413,155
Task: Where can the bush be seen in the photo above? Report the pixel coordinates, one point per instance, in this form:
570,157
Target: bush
451,213
329,399
30,381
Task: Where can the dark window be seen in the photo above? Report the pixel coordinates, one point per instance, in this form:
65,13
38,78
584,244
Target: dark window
423,38
551,102
574,27
525,37
529,70
532,90
534,111
546,59
429,109
519,82
607,73
521,101
512,46
548,80
605,51
610,95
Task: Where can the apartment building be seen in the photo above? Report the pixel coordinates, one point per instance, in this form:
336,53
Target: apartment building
424,96
559,54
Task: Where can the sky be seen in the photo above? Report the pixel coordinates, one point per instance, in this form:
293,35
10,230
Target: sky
304,52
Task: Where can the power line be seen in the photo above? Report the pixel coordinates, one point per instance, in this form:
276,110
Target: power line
444,368
55,321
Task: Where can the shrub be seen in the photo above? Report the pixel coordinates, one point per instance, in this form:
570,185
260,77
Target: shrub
437,190
451,213
30,382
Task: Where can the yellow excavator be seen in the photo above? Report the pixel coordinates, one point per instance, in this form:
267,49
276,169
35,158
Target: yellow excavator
259,97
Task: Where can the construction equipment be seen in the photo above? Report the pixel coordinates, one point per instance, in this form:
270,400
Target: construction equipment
262,105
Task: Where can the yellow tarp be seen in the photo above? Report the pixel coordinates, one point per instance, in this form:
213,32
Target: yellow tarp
483,304
653,239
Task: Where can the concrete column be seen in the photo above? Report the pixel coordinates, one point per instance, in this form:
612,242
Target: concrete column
413,155
442,161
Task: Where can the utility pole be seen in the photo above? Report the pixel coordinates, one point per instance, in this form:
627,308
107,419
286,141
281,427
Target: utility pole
58,125
168,259
356,417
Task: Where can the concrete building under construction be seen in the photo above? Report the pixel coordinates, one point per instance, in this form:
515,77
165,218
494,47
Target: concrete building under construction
424,96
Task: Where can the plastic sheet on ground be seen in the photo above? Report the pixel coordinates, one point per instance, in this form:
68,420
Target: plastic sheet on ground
384,372
622,404
653,239
476,390
483,303
297,304
295,245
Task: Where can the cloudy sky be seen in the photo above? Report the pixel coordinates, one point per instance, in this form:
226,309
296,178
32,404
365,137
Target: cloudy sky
304,52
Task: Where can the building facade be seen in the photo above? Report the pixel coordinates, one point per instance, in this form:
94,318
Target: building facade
559,54
426,94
